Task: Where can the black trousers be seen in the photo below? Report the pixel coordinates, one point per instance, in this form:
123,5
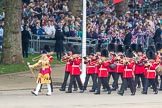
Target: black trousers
137,79
72,79
117,78
59,54
150,81
161,82
103,81
157,81
130,82
87,79
66,76
95,78
115,83
25,49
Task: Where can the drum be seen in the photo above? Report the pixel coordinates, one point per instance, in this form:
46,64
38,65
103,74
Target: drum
159,70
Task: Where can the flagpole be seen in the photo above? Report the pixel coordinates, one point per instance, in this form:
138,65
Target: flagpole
83,75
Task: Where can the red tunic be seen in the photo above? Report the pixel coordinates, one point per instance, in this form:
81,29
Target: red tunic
150,72
103,70
90,67
76,67
120,67
68,66
139,69
128,71
110,69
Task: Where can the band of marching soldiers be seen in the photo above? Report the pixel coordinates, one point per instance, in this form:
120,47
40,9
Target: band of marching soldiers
131,63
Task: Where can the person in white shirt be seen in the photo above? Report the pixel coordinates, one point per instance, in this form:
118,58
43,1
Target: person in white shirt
50,30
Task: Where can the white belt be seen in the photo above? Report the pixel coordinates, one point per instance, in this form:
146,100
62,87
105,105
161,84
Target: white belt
75,65
103,69
67,63
151,71
90,66
128,69
119,64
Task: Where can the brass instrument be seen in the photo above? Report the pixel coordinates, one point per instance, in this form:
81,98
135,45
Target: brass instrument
36,58
125,60
66,56
40,56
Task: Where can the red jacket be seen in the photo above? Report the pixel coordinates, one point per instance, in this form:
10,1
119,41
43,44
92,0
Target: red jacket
76,66
111,62
103,70
90,67
128,71
140,69
150,71
120,66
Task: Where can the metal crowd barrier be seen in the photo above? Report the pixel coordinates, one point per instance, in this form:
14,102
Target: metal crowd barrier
37,44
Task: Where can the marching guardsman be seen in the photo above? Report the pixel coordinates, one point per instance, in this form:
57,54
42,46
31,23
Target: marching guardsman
128,73
158,60
112,66
68,69
134,49
102,75
95,75
119,62
89,61
139,67
75,61
150,73
44,73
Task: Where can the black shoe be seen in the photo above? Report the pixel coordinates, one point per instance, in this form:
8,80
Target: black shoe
160,89
51,90
144,92
133,94
61,89
109,92
105,90
92,90
97,93
120,93
75,89
81,91
69,92
156,92
113,89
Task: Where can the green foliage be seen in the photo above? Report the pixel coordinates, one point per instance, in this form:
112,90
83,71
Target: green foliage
13,68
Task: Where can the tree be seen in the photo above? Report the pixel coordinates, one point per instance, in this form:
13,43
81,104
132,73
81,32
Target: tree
121,8
76,7
11,47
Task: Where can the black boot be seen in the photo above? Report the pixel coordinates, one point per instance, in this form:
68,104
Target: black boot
109,92
61,89
133,94
92,90
69,92
156,92
97,93
121,93
144,92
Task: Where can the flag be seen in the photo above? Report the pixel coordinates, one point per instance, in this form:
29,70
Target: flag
117,1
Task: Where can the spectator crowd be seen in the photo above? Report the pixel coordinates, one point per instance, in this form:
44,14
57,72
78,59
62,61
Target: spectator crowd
44,17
